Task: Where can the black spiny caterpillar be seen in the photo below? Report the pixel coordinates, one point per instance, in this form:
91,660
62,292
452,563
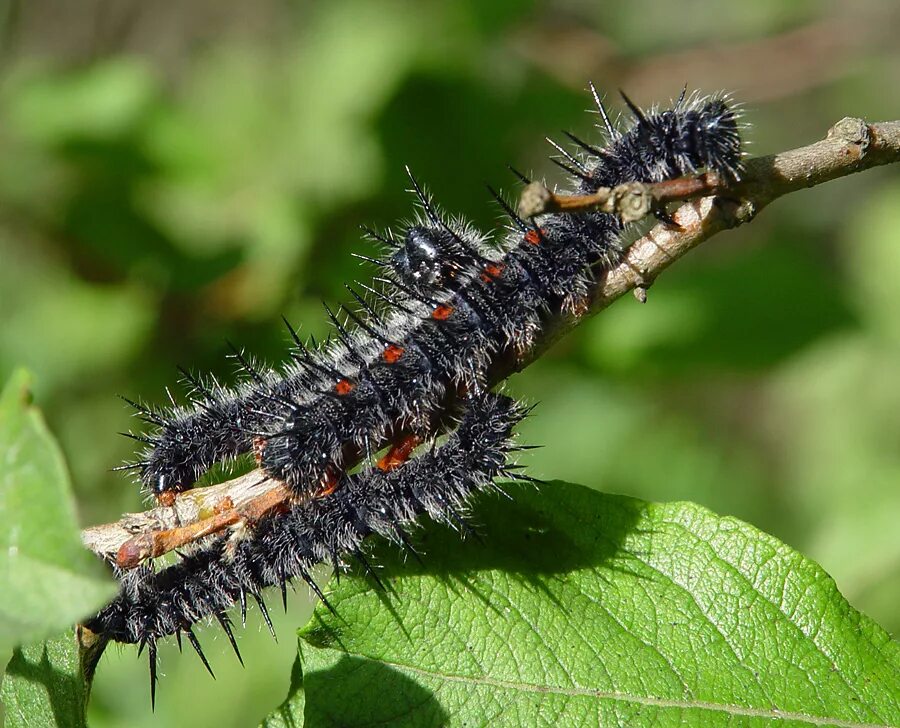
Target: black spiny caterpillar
401,363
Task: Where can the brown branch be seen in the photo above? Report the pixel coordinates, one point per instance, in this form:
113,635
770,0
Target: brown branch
137,536
850,146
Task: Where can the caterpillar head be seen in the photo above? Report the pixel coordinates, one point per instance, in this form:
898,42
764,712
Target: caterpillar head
710,136
699,132
426,259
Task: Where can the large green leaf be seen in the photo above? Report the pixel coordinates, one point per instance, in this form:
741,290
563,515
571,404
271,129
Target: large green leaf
47,580
583,608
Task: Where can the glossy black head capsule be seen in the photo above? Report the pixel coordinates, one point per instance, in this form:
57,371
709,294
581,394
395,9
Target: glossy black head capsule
418,260
428,259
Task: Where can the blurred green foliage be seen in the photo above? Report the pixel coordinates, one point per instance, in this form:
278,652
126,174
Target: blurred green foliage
172,178
47,579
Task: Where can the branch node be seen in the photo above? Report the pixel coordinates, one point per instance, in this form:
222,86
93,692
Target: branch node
534,201
853,132
632,201
744,212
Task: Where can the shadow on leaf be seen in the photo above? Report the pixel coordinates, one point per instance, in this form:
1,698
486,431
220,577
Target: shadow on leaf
354,691
537,535
45,692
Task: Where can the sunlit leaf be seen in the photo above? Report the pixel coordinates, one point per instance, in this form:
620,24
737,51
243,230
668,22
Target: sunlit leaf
582,608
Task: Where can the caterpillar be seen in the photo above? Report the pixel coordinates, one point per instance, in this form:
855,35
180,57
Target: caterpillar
413,351
453,305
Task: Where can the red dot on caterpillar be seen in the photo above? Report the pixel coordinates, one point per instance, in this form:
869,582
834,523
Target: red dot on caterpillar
344,386
399,453
392,353
259,444
491,272
534,236
166,499
442,312
328,484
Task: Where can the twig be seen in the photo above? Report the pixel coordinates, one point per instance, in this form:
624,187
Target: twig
136,536
630,201
850,146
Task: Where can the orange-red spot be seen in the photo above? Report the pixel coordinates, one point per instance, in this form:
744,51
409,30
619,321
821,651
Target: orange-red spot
392,353
166,499
491,272
344,386
534,237
442,312
259,445
399,453
328,484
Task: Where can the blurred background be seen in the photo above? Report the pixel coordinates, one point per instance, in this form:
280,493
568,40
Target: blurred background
173,175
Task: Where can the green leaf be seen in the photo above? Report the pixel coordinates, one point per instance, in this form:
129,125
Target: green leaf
47,579
43,686
584,608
